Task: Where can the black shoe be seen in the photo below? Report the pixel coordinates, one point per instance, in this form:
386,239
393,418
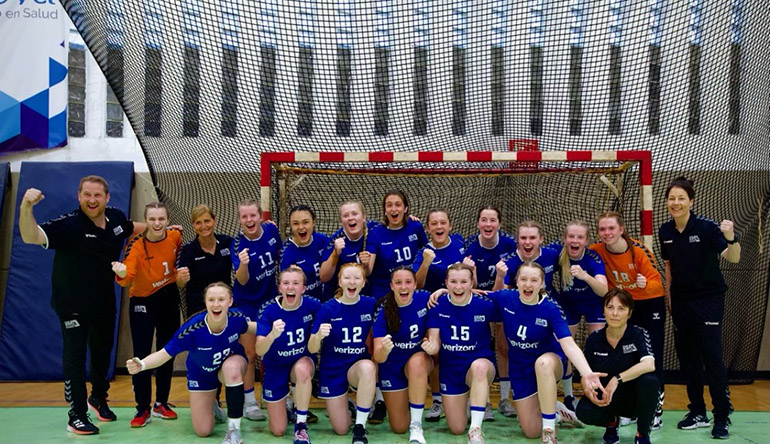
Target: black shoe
377,415
101,409
569,402
311,417
81,424
693,420
291,415
721,428
359,434
352,409
611,435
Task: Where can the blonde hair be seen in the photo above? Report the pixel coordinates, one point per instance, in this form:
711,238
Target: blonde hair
338,291
95,179
199,211
566,278
538,267
293,269
360,206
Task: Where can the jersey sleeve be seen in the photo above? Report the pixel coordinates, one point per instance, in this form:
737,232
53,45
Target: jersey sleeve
329,248
642,342
234,254
185,256
265,323
418,259
57,232
595,264
433,318
663,252
373,241
179,342
379,327
645,266
718,241
135,252
321,317
493,312
558,322
287,256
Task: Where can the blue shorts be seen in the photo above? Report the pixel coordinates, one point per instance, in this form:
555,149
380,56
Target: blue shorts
276,380
524,380
333,382
392,376
592,309
199,380
451,376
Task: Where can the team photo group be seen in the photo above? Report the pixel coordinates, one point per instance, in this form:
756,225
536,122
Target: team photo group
394,317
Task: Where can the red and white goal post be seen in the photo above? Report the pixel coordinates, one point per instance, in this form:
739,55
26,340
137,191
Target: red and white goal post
428,162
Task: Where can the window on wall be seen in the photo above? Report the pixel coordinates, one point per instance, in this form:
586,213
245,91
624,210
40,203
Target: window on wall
536,32
459,54
695,37
153,68
736,40
654,60
76,109
497,55
575,82
115,68
230,29
191,25
421,53
344,47
268,15
306,42
382,45
615,80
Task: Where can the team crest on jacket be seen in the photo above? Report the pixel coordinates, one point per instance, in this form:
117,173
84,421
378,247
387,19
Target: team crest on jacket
541,322
629,348
366,317
422,312
224,252
307,318
694,238
117,230
479,318
233,337
412,237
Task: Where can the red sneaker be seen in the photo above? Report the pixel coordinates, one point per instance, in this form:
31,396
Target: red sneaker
141,418
163,411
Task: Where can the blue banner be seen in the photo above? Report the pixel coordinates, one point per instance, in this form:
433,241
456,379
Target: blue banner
33,78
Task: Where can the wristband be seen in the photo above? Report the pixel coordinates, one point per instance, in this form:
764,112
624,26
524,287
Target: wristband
620,380
735,240
141,364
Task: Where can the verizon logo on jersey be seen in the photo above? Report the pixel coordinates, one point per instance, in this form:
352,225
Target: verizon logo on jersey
160,283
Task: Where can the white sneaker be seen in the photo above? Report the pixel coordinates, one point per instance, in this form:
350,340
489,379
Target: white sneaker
657,422
252,412
220,417
506,408
489,414
415,433
627,421
435,412
475,436
549,436
233,436
566,417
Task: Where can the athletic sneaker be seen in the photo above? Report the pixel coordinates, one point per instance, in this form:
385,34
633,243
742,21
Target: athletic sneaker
81,424
378,412
549,436
435,412
569,401
163,411
220,417
101,409
475,436
252,412
352,409
359,434
311,417
141,419
566,417
300,434
642,439
489,414
416,435
657,422
611,435
721,428
693,421
233,436
627,421
506,408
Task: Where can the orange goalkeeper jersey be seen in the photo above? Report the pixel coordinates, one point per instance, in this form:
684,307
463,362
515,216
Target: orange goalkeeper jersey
622,270
151,266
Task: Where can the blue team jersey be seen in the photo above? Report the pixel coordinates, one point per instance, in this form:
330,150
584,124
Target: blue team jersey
464,329
414,324
530,330
263,260
487,258
292,344
548,259
207,350
349,253
592,263
393,248
308,258
447,255
351,325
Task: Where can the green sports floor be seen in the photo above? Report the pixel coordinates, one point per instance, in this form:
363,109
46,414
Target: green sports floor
20,425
